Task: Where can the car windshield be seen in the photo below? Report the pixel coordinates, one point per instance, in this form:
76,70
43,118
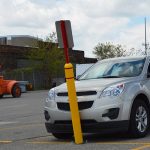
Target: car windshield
114,69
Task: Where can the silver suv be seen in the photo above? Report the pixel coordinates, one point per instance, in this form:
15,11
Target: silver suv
113,95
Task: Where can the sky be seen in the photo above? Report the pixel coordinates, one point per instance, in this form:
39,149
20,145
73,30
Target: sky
92,21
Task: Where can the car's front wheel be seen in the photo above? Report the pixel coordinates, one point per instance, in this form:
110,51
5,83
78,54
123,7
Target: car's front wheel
16,91
140,119
63,135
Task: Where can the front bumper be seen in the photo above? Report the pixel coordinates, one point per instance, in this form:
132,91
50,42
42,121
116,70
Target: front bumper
95,127
100,111
109,114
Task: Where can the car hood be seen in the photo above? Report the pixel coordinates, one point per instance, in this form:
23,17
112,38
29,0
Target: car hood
94,84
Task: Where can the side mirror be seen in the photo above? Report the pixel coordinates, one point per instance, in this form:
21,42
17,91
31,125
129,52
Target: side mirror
78,77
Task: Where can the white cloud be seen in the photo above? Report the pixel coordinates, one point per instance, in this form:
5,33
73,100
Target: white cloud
92,21
133,37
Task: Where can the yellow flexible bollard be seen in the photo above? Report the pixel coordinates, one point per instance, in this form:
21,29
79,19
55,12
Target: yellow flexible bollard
73,103
65,41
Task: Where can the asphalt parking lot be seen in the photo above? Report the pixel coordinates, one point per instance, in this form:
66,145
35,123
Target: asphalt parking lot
22,128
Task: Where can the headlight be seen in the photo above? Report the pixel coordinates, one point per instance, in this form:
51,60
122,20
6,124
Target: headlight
115,90
51,94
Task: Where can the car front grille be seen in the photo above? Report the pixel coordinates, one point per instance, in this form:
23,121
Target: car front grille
81,105
84,93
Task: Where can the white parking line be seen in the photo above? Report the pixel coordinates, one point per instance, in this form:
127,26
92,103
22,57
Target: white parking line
7,122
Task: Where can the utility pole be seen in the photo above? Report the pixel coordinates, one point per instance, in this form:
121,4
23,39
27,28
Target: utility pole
145,44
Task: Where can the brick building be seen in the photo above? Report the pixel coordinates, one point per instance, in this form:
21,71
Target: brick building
10,56
14,56
14,48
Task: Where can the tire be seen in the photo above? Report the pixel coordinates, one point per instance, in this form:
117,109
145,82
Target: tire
139,119
63,135
16,91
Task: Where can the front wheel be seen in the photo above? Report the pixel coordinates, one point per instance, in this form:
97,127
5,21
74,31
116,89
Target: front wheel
140,119
63,135
16,91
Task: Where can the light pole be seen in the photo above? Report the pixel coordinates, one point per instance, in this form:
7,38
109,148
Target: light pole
145,39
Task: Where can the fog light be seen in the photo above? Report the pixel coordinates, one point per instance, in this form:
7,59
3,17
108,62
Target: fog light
112,113
47,116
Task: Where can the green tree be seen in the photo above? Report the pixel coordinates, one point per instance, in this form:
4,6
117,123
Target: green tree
48,58
108,50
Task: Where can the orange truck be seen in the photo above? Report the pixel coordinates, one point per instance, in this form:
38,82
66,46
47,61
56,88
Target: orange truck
9,87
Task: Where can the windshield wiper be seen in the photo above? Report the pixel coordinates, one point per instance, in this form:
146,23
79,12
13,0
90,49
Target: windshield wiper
110,77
